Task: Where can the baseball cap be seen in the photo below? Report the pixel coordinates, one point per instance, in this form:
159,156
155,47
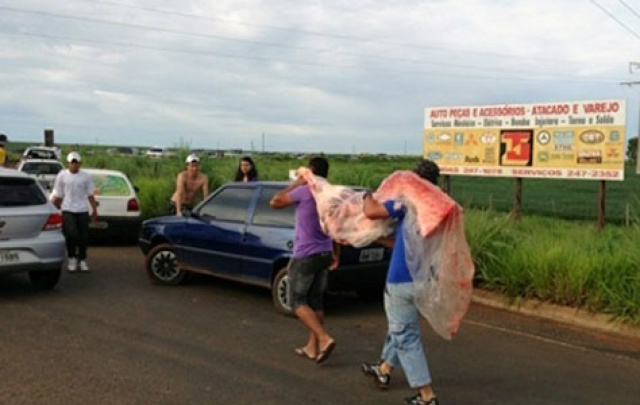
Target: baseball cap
73,156
192,158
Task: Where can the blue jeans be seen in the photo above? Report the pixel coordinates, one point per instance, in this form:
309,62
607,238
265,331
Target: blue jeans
403,345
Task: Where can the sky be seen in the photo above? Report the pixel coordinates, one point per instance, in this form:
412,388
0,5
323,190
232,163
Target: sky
307,76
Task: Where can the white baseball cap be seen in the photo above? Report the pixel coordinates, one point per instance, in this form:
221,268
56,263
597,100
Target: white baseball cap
192,158
73,156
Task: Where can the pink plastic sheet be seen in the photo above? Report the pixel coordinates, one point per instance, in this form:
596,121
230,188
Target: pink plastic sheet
436,248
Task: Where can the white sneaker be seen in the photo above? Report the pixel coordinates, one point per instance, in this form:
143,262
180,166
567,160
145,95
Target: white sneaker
72,264
83,266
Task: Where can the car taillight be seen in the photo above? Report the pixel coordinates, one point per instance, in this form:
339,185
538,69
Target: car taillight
132,205
53,222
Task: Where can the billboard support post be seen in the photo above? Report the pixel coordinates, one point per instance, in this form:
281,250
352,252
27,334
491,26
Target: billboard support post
601,204
517,200
446,184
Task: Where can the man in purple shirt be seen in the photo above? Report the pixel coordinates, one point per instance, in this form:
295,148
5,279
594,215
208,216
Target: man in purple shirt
313,256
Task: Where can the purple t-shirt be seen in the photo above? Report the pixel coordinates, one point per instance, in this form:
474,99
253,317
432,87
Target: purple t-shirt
310,239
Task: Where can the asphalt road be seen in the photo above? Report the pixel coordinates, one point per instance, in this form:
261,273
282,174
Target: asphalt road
111,337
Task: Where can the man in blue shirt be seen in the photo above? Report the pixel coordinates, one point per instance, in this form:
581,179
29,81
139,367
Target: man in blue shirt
403,344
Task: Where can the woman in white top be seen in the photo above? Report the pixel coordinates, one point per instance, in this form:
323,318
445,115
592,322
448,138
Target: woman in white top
73,193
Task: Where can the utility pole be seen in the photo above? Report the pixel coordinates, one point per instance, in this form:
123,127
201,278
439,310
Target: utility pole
263,142
635,66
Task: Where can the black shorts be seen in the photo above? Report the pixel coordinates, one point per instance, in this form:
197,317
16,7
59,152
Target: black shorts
307,280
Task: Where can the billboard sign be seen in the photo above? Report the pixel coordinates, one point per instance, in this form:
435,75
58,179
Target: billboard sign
561,140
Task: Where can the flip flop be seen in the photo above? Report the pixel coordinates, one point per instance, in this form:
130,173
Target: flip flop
326,352
303,353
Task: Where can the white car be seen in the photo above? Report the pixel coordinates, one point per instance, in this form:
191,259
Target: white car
158,152
118,205
31,237
43,170
41,152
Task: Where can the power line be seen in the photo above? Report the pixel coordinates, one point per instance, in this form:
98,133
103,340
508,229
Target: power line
263,43
623,25
629,8
296,62
315,33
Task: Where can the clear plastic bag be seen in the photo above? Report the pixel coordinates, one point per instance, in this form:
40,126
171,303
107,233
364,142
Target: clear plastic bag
436,249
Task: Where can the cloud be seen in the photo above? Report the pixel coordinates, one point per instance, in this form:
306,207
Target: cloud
310,75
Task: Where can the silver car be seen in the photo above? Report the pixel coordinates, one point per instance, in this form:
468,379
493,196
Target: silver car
31,237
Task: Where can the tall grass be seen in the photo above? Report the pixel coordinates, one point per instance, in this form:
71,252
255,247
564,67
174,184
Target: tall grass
559,261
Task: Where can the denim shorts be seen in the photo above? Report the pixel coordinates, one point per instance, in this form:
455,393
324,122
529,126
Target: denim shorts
307,279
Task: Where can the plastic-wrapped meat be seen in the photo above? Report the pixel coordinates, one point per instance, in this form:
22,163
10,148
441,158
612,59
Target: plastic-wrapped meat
430,203
436,249
341,215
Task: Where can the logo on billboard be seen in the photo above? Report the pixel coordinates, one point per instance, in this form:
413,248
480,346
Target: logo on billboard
458,138
431,138
434,155
614,136
444,138
488,139
563,138
544,137
471,140
589,156
516,148
591,136
543,156
489,155
453,156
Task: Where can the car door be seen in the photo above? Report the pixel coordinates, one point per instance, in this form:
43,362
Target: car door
215,238
269,236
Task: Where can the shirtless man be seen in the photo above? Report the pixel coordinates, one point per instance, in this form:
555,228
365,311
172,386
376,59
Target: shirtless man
187,185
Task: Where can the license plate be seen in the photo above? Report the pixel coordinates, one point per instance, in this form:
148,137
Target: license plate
98,225
371,255
9,257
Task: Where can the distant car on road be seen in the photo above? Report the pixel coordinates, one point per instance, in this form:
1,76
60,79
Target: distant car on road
158,152
118,205
31,237
235,234
43,170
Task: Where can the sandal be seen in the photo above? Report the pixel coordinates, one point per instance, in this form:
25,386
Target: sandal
326,352
303,353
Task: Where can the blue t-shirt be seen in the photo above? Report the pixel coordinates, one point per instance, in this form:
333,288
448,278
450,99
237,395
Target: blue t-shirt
398,270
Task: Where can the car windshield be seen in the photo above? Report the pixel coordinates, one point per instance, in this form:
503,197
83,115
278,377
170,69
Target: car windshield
41,154
20,192
41,168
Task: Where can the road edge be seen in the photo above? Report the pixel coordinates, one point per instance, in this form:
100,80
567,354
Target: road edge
573,316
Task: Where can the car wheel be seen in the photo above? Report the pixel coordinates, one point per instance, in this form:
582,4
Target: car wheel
44,280
280,292
162,265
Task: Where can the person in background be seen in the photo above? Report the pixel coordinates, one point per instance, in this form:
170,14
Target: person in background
73,194
246,170
403,345
3,151
188,183
313,257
